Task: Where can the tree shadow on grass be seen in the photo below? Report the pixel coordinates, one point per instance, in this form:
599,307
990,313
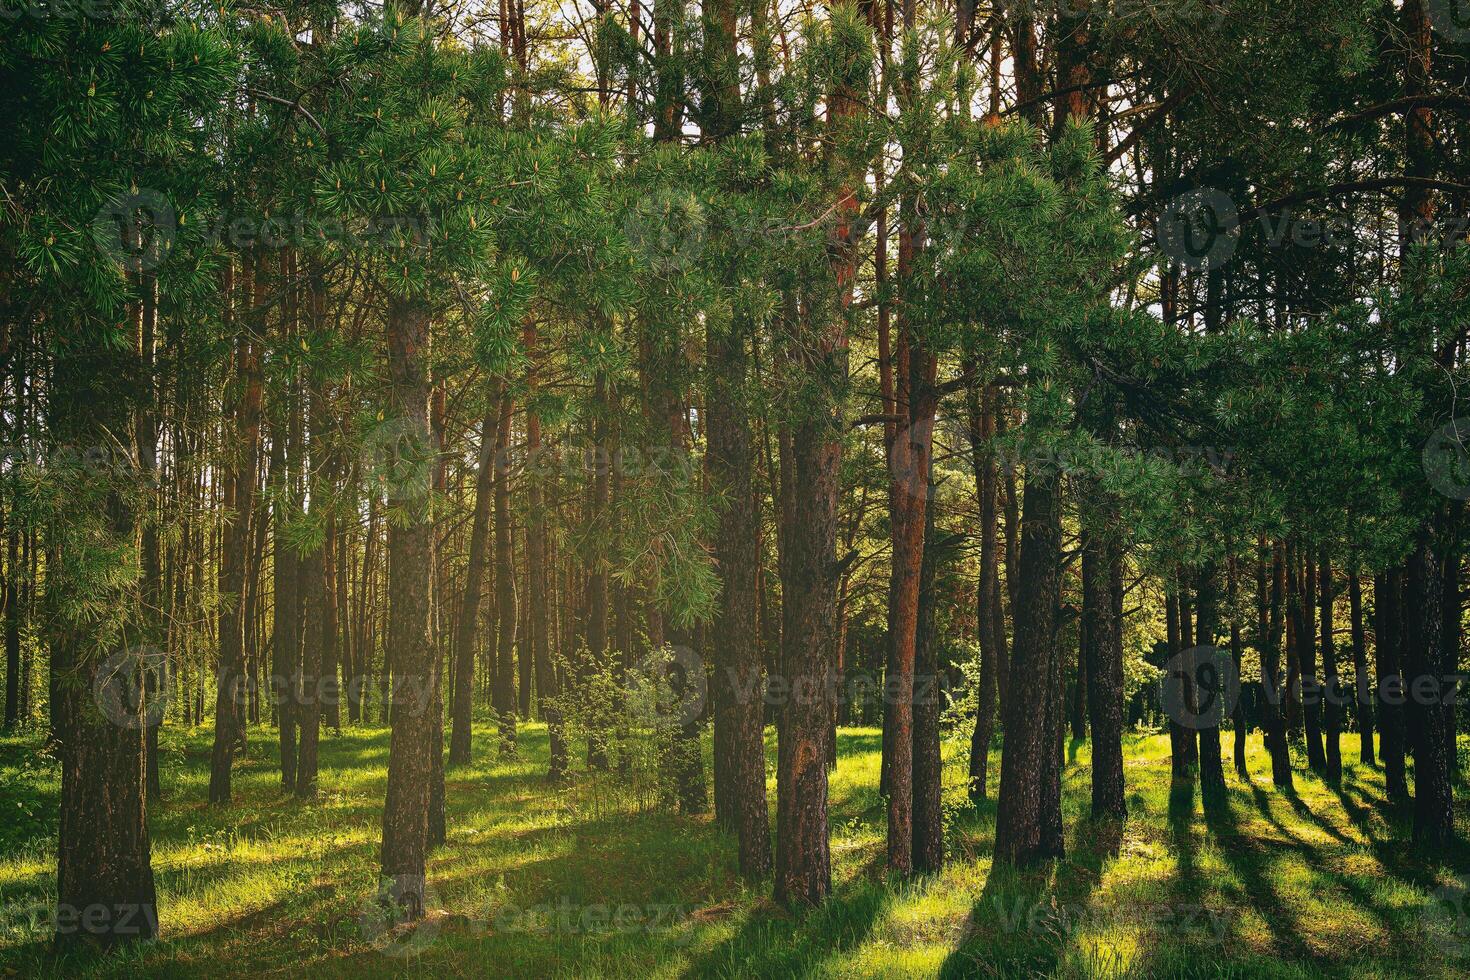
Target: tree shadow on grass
1395,852
1247,858
1403,927
1024,920
772,942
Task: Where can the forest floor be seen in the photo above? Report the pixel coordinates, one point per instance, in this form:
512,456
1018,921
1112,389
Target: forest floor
592,881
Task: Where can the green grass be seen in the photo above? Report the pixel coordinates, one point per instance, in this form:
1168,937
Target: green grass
590,881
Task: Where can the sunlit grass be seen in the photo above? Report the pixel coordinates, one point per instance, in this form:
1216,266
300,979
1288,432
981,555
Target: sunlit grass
533,879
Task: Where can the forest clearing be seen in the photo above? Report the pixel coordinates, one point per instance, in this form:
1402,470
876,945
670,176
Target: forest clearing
532,880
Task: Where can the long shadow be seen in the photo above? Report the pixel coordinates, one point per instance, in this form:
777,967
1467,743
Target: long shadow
773,943
1181,835
1247,857
1018,907
1300,808
1394,922
1394,853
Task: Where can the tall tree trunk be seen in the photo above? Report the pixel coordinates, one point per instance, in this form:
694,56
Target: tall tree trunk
989,617
1211,691
1332,682
12,634
505,592
319,623
1450,617
803,861
1363,696
309,708
1272,682
104,879
928,763
410,645
1389,653
740,752
1238,717
438,831
909,464
286,611
1427,664
463,653
1100,562
151,580
330,658
240,478
1027,777
538,562
1306,646
596,567
739,761
1182,742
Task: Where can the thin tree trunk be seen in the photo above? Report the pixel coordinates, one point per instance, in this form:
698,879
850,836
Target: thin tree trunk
1363,690
286,611
1181,738
1306,646
1238,717
1272,682
463,653
1388,649
928,764
1331,680
505,594
989,621
909,463
538,561
240,478
1100,562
